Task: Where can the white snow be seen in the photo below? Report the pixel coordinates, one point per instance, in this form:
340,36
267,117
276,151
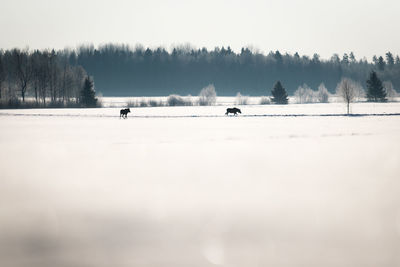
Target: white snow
188,186
219,110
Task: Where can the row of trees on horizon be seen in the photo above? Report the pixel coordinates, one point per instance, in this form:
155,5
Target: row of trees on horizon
119,70
46,76
347,89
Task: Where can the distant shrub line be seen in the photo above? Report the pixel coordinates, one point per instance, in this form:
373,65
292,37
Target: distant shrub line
207,97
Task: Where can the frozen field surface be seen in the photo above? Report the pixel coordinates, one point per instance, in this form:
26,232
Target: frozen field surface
219,111
188,186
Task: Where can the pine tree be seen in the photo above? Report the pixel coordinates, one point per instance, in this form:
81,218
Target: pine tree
397,60
352,57
345,59
375,60
389,59
279,94
375,90
88,98
381,64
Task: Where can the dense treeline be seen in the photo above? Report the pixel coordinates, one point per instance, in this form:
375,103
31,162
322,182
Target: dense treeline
46,77
56,78
122,71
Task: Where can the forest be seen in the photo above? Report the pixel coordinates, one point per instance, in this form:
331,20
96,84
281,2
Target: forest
58,76
45,77
120,70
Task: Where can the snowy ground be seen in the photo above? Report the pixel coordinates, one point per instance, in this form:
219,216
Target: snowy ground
117,102
187,186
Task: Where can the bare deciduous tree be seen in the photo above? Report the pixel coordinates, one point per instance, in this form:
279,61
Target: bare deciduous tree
42,74
2,73
54,73
346,90
79,75
23,70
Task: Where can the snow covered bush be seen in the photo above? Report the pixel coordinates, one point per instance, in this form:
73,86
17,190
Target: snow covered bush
144,103
241,99
176,100
391,94
265,100
322,94
359,92
208,96
304,94
154,103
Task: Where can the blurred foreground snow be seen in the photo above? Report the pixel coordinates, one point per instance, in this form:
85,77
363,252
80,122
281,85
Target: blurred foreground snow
84,188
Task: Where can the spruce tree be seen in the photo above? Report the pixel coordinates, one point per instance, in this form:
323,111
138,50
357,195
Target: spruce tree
397,60
375,90
389,59
381,64
88,98
279,94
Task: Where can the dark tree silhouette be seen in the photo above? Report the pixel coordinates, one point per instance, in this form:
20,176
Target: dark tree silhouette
88,98
23,70
381,63
389,59
2,74
345,59
44,75
375,60
352,57
279,95
375,90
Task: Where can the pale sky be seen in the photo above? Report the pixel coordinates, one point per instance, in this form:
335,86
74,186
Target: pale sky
366,27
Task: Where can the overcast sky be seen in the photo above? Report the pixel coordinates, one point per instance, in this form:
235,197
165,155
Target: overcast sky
366,27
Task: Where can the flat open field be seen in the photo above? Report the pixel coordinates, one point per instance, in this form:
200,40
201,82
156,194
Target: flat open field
295,185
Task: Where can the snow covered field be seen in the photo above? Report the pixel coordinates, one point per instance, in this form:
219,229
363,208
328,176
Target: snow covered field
188,186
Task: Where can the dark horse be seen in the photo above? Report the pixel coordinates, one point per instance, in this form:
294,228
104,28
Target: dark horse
124,113
235,111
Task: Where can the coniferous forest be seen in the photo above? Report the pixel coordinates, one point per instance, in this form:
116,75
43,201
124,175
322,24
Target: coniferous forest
119,70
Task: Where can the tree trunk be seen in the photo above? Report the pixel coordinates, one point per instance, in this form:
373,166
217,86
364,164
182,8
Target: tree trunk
36,94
